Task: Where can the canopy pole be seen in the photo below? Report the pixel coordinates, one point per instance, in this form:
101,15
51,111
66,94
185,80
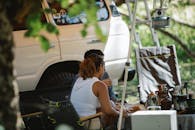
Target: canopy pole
133,21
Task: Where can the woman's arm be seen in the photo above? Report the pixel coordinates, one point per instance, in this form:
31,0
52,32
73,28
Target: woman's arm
101,91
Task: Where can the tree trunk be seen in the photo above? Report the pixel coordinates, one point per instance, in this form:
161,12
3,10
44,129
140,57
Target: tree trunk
9,108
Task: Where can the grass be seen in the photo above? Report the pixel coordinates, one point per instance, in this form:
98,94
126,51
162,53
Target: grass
132,95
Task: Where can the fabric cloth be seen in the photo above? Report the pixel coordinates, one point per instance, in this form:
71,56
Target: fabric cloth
83,98
156,65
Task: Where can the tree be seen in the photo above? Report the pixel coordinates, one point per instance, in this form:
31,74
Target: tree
9,109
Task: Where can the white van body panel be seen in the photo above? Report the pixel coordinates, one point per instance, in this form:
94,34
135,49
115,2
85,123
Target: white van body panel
30,60
74,45
117,47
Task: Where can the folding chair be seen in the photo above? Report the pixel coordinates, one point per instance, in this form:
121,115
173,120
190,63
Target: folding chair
35,121
55,113
63,112
155,66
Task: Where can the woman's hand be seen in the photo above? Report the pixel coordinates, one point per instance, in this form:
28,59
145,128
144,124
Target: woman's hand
135,108
125,113
118,107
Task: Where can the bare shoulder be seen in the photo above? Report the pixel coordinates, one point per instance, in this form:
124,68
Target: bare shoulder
100,89
100,84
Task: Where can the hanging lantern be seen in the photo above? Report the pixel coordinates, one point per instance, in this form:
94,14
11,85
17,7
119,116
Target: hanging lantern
159,20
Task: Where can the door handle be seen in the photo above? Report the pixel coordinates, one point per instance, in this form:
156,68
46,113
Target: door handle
94,41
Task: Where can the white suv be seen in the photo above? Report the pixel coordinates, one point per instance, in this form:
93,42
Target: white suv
37,70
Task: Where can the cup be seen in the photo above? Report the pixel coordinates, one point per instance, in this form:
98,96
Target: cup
154,108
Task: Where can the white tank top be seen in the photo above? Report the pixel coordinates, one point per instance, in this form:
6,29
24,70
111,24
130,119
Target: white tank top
83,98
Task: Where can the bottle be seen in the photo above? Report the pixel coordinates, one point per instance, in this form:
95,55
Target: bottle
152,102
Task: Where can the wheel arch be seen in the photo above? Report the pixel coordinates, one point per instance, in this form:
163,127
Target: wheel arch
64,66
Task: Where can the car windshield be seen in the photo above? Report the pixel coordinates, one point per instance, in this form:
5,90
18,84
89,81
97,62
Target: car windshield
61,15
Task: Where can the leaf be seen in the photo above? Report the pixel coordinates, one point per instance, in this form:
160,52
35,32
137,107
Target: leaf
75,9
64,3
100,34
44,43
34,21
31,33
91,15
47,10
34,24
84,32
51,28
83,3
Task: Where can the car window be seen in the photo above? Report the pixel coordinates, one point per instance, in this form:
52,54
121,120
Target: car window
114,10
61,15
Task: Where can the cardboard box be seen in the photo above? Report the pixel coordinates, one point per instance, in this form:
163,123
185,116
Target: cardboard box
154,120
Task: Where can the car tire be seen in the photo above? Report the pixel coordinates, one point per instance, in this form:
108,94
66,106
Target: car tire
56,86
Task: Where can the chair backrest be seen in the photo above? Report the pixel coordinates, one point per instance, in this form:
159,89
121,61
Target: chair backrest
155,66
49,114
36,121
63,112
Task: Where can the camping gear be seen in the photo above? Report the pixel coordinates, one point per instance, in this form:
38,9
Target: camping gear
180,102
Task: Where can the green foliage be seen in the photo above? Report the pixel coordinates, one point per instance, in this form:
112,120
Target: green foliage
63,3
34,24
75,9
51,28
44,43
99,33
48,10
84,32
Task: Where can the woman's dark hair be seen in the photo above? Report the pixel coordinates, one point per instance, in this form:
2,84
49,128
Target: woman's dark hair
93,51
90,65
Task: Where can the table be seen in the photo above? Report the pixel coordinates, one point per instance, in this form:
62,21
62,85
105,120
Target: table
186,121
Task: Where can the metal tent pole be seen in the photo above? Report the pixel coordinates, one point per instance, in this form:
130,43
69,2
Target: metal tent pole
154,35
133,21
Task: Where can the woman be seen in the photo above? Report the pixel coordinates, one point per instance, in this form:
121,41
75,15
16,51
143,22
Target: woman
89,94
